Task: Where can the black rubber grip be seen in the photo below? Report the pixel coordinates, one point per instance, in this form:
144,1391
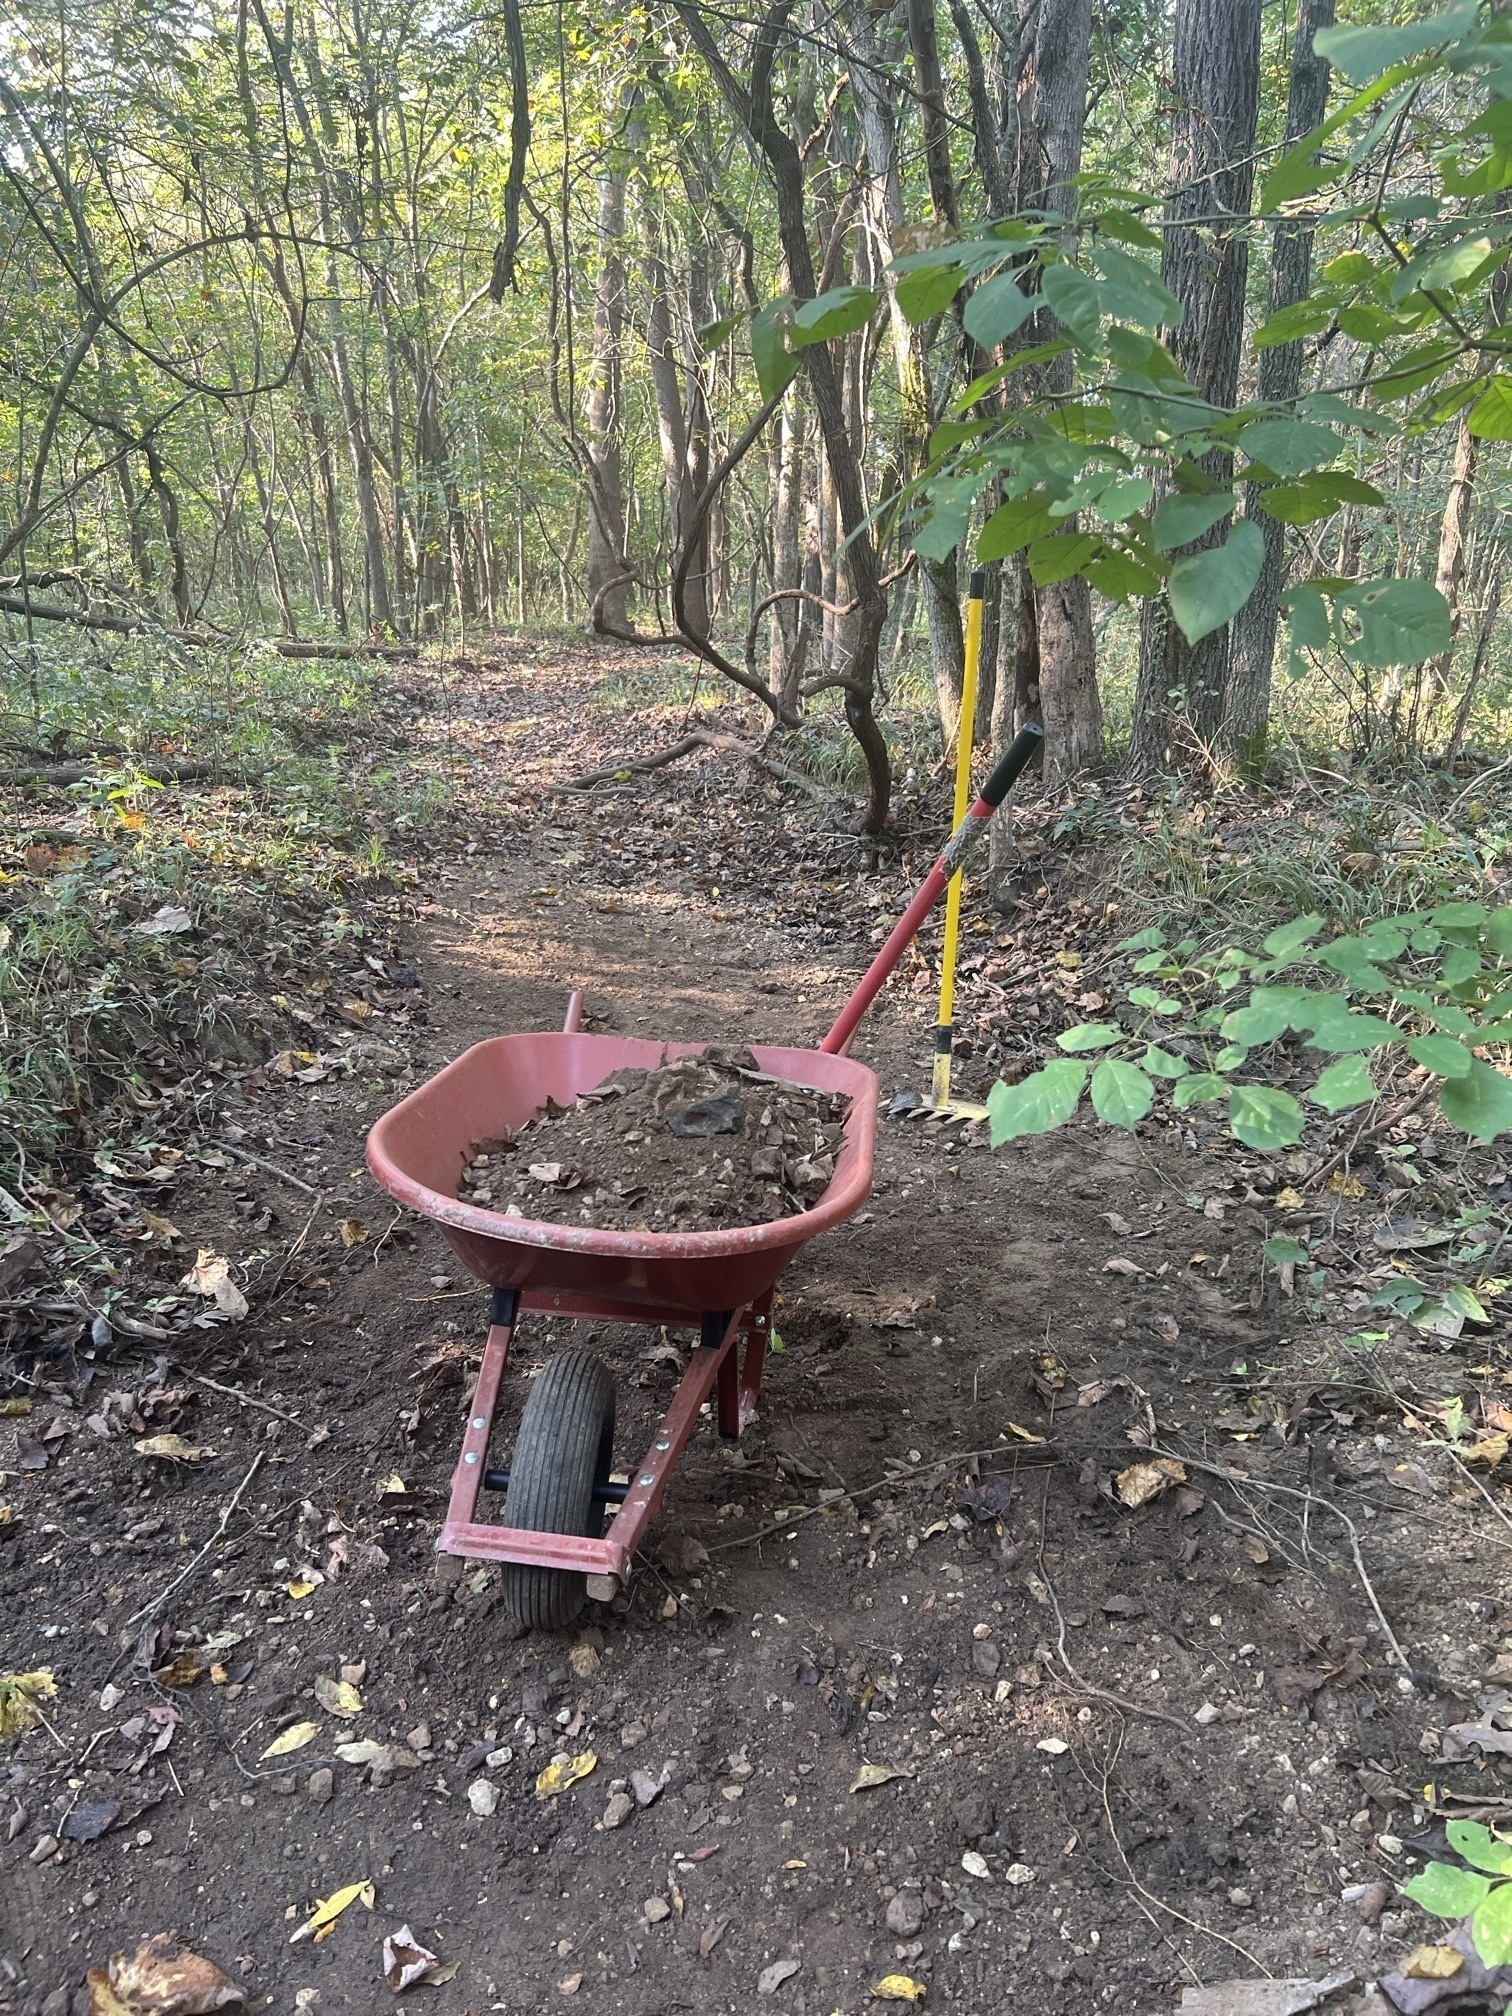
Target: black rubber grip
943,1035
978,586
1020,753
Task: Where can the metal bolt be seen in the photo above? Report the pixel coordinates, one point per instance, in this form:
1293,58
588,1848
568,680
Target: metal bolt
479,1422
664,1444
471,1456
646,1477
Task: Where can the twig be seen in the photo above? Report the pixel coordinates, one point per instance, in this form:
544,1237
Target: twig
1469,1474
1367,1134
270,1168
151,1609
236,1393
1308,1498
295,1249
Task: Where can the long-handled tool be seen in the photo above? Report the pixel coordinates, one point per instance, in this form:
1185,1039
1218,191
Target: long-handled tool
941,1106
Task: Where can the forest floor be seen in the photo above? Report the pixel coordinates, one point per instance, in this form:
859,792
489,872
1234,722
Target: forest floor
912,1692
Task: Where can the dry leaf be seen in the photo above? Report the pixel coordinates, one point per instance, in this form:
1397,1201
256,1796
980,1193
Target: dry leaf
170,917
571,1984
899,1988
1119,1265
19,1694
568,1771
183,1670
1143,1481
292,1739
1116,1223
1288,1200
161,1228
1345,1186
712,1934
1490,1449
171,1447
1256,1549
353,1232
161,1978
406,1961
338,1697
1433,1963
879,1774
1023,1434
211,1275
330,1909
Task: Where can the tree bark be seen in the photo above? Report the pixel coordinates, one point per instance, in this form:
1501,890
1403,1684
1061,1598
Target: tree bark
1280,376
606,503
1216,72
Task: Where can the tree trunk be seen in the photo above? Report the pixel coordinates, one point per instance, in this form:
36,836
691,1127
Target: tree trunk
1216,65
606,502
1254,641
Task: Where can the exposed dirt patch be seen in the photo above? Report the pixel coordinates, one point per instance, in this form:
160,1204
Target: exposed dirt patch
691,1145
916,1559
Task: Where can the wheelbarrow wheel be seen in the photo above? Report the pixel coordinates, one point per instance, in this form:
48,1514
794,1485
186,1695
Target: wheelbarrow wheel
564,1448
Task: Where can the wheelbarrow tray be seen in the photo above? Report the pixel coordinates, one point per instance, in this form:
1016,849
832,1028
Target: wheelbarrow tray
419,1149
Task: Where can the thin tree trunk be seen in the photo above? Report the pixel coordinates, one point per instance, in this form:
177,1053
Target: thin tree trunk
606,502
1254,641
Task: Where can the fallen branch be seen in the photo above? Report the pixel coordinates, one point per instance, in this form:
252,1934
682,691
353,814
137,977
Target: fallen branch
236,1393
160,770
126,626
268,1168
151,1609
703,738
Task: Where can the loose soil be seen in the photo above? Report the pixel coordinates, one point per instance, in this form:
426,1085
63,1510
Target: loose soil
903,1633
689,1146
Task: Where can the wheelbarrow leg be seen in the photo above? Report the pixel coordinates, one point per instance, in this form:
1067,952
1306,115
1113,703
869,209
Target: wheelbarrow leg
740,1386
468,1475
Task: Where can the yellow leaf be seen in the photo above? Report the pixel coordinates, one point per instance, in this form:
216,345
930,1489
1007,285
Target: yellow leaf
161,1228
172,1447
338,1697
299,1590
1288,1199
557,1777
353,1232
19,1694
1345,1186
292,1739
899,1988
1023,1434
1490,1449
394,1483
182,1670
1070,960
1433,1963
1143,1481
879,1774
329,1909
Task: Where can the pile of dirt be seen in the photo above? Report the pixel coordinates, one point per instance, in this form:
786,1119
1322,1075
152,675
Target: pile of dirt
695,1144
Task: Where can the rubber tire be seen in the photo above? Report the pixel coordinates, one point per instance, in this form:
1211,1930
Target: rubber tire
565,1446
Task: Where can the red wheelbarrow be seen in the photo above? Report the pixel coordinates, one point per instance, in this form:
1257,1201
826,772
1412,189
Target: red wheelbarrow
558,1489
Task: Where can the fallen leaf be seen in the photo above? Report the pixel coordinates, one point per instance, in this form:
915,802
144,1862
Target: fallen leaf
353,1232
172,1448
1433,1963
1345,1186
711,1936
584,1661
437,1977
292,1739
406,1961
1490,1449
1143,1481
361,1752
571,1984
1023,1434
770,1979
161,1228
19,1694
211,1276
1116,1223
329,1909
1288,1199
169,918
184,1669
899,1988
1119,1265
301,1587
871,1775
1256,1549
567,1771
90,1820
161,1978
338,1697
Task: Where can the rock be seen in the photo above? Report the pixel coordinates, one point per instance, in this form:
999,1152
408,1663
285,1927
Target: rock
655,1909
483,1797
632,1734
391,1761
986,1657
1208,1712
584,1661
1018,1873
56,2004
770,1979
44,1848
286,1784
975,1865
974,1814
419,1738
321,1785
1242,1900
647,1790
1372,1901
497,1759
905,1914
619,1809
18,1819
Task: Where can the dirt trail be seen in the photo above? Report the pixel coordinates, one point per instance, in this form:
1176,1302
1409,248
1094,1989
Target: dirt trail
965,1621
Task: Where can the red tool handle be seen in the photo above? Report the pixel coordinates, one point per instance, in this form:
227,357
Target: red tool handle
963,843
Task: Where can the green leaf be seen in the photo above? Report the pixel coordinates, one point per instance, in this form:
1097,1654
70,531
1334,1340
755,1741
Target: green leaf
1182,518
1317,496
1302,318
840,312
1260,1022
1146,940
1343,1085
996,310
1491,1927
1341,1033
1037,1104
1121,577
776,366
928,292
1061,555
1207,588
1289,447
1466,1303
1200,1089
1363,53
1441,1054
1479,1847
1132,291
1263,1117
1075,297
1499,933
1479,1103
1283,1250
1017,523
712,334
1163,1063
1447,1892
1491,416
1401,622
1288,939
1121,1093
1090,1036
1124,498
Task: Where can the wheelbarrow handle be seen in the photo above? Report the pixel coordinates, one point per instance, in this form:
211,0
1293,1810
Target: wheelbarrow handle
959,849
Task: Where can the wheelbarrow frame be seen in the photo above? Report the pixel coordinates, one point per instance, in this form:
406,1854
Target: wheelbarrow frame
720,1281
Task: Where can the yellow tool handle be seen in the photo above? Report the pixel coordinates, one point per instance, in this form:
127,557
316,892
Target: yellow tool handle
940,1088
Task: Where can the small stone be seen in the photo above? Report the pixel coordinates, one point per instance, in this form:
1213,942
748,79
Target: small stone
981,1630
110,1697
647,1790
321,1785
1289,1806
497,1759
975,1865
483,1797
1208,1712
986,1657
1018,1873
419,1738
56,2004
44,1848
584,1661
1389,1844
632,1734
732,1792
1373,1900
18,1819
355,1675
619,1809
286,1785
905,1914
1240,1899
655,1909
